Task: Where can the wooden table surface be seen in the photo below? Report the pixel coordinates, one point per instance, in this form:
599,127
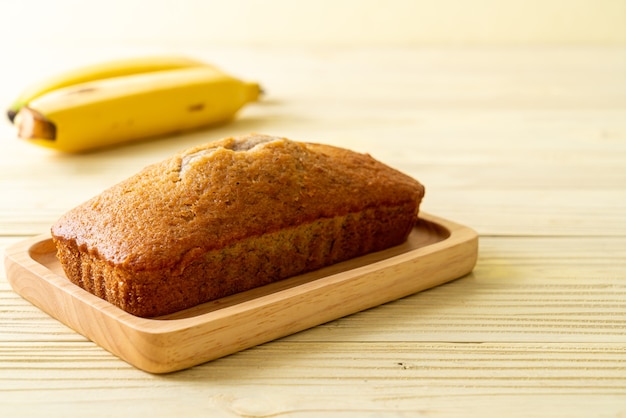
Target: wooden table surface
525,145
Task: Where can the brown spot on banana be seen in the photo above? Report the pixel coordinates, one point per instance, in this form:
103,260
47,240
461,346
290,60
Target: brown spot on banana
197,107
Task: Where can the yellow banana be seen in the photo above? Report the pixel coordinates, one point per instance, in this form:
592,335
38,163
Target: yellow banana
115,110
114,68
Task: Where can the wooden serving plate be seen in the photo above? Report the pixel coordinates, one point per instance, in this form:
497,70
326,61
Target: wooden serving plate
436,252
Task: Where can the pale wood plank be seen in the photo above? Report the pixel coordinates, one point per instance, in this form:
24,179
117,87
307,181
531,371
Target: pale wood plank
461,121
521,290
351,378
525,145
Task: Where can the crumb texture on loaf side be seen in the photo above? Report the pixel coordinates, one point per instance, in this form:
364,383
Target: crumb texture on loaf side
232,215
241,266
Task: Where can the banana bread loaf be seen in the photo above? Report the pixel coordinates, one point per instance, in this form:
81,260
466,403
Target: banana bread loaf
229,216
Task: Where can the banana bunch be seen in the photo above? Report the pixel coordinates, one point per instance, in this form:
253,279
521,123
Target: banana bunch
126,100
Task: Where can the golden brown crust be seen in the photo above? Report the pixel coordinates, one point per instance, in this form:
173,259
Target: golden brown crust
219,218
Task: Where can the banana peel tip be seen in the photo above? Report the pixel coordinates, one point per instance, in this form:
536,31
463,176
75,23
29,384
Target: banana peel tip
11,115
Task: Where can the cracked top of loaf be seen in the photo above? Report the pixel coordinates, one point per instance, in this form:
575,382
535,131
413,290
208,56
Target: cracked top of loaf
213,195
